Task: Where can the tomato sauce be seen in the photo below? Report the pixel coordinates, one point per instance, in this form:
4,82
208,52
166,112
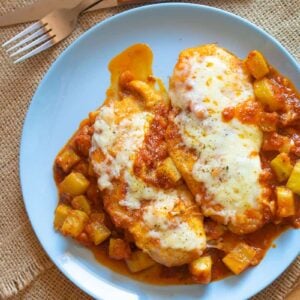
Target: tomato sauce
279,127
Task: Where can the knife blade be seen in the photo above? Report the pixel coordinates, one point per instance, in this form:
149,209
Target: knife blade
41,8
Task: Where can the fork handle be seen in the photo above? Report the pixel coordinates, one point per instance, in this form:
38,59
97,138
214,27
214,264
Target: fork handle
85,4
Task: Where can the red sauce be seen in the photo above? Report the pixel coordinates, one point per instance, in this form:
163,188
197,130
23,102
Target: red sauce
248,112
228,114
278,127
153,151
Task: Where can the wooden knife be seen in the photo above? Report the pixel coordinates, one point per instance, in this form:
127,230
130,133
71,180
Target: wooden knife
41,8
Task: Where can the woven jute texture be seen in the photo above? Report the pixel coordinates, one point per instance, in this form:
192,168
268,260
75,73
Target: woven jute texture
25,270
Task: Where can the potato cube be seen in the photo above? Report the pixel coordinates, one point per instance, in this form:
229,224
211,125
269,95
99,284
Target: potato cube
168,170
264,93
74,184
144,90
97,232
294,181
256,64
282,166
201,269
118,249
67,159
139,261
239,258
74,223
81,203
285,202
61,212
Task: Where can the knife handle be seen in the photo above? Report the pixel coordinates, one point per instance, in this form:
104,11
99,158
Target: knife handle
114,3
124,2
85,4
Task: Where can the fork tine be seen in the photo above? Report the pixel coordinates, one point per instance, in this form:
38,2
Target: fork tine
35,51
33,27
39,40
27,39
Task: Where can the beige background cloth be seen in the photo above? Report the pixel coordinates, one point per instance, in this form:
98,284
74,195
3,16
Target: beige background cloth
26,272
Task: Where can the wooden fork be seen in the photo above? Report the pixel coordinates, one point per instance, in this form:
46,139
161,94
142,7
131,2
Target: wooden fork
47,32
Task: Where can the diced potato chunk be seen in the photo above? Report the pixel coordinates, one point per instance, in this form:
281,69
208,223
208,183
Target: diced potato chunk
282,166
67,159
285,202
74,223
257,65
74,184
239,258
118,249
149,95
264,93
97,232
61,212
139,261
294,181
201,269
81,203
167,169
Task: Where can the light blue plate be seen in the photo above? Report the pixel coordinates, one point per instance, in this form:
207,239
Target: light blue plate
76,84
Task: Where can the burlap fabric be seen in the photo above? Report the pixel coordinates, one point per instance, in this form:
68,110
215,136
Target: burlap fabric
25,270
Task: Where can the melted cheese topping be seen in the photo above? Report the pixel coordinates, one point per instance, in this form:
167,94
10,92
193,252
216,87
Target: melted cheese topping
180,237
177,235
120,142
227,164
